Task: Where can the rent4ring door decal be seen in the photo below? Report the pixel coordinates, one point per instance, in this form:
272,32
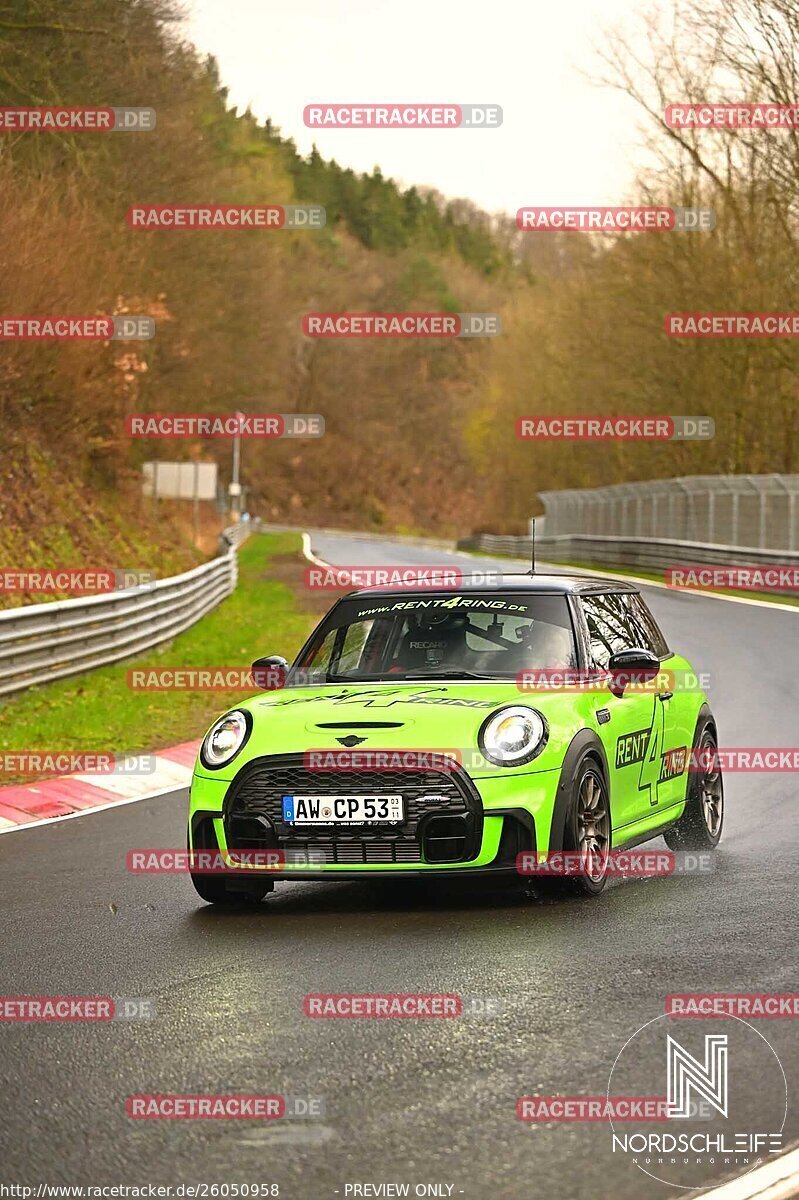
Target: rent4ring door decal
646,746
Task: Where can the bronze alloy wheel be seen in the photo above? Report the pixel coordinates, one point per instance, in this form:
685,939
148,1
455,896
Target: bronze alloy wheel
593,826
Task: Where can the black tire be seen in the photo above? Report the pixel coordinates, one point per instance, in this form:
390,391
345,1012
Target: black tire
216,889
584,834
700,826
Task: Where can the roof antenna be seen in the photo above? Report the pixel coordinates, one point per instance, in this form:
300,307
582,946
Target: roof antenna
532,548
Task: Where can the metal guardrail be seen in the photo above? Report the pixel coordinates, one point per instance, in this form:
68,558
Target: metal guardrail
43,642
234,535
649,554
497,543
658,554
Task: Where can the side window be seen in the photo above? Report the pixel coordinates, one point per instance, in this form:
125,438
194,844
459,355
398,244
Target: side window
607,620
644,629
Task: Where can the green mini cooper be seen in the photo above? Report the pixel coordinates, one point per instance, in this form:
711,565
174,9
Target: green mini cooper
459,731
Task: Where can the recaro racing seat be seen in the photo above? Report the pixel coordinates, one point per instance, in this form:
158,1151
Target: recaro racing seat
432,641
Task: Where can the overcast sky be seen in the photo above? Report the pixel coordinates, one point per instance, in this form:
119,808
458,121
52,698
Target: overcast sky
563,140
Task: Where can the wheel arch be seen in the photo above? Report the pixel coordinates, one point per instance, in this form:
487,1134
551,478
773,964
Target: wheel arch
703,715
584,744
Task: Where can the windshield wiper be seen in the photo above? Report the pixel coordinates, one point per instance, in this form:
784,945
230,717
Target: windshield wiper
455,674
373,677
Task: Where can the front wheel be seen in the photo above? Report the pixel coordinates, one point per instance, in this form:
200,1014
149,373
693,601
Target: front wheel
589,829
587,835
699,828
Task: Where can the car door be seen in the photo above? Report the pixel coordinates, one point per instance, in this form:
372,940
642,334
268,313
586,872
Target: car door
676,736
633,725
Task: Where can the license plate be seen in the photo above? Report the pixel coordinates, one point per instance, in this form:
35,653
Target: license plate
342,810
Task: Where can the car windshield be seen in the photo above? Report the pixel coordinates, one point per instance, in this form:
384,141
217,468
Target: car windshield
448,636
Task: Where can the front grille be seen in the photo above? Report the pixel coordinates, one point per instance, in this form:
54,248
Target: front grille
357,850
258,791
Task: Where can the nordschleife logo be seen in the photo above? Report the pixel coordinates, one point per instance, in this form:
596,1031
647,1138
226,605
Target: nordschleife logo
726,1099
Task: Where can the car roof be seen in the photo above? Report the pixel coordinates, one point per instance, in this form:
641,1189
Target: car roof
549,585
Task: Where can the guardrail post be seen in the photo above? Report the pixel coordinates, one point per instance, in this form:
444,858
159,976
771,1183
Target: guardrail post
762,524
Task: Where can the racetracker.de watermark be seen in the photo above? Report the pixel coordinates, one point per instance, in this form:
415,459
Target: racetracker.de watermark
753,577
402,116
441,759
185,1107
77,581
203,679
634,863
743,1005
191,217
60,328
332,579
225,425
36,1009
591,1108
325,759
568,679
401,1005
68,762
400,325
652,219
382,1005
155,860
732,325
732,116
74,120
772,759
621,429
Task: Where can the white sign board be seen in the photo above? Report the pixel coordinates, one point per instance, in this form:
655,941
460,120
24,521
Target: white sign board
180,480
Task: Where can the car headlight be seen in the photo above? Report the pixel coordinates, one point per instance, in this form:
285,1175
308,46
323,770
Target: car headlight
224,739
513,735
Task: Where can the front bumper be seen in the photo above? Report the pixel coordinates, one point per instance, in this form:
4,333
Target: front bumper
496,818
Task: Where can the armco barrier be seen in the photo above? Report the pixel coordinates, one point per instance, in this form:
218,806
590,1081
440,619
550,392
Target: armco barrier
499,543
648,554
43,642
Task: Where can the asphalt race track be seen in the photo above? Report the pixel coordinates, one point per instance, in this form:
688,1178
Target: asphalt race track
417,1101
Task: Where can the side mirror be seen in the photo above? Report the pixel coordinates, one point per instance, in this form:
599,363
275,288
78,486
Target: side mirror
270,673
634,666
